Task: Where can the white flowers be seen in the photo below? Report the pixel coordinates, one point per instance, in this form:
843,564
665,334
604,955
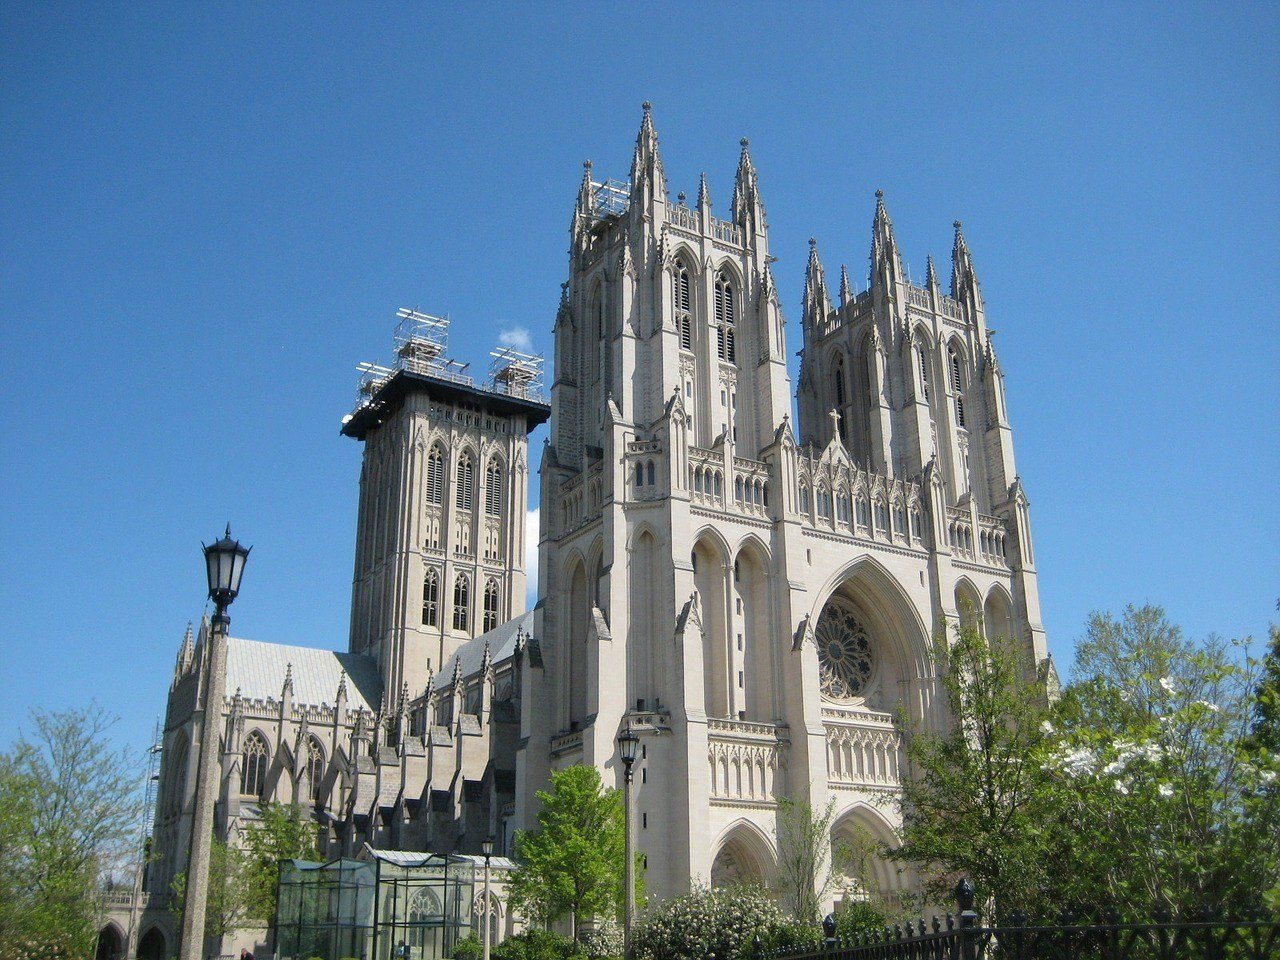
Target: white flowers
1080,762
1168,685
1046,726
1267,776
1211,707
1165,789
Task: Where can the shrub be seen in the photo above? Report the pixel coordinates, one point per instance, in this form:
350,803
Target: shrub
537,945
794,937
857,918
604,941
468,948
720,924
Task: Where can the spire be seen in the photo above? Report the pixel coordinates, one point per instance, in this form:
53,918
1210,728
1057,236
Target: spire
846,289
963,278
584,206
341,696
186,651
930,273
884,248
746,190
704,195
817,303
647,178
287,689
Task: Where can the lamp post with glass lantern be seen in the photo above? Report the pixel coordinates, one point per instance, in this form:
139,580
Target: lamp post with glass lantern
486,847
224,565
628,747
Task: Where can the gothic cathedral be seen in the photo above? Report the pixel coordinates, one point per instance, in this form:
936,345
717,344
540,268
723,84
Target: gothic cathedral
756,598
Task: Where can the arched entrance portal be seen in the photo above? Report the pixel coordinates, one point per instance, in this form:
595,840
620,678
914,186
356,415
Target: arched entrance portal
110,943
152,946
862,873
745,856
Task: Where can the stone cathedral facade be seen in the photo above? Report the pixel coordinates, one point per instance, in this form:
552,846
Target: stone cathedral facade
755,595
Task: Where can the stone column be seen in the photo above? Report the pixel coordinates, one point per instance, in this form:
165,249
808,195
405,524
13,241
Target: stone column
192,943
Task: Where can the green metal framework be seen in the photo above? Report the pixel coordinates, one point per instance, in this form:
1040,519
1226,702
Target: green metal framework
394,906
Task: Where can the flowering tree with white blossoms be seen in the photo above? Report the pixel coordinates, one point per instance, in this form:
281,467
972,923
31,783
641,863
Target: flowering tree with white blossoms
1163,798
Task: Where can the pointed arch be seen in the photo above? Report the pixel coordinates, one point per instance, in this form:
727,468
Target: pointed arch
493,486
683,297
430,597
997,613
643,581
492,602
726,314
711,566
465,480
743,853
969,604
255,757
435,474
957,381
315,766
578,615
884,878
754,649
462,602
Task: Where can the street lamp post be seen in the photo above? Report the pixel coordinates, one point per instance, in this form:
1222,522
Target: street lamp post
486,847
628,747
224,565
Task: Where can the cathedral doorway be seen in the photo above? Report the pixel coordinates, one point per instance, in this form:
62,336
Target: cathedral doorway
745,856
861,872
110,944
152,946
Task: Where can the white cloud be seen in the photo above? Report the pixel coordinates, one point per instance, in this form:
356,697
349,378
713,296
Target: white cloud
518,338
531,535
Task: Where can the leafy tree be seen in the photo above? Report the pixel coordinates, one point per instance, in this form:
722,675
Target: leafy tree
805,856
69,814
1266,699
1162,794
573,863
975,805
243,876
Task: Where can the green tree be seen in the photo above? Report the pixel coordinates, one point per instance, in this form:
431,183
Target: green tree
974,806
243,876
573,863
69,814
1162,794
1266,698
805,857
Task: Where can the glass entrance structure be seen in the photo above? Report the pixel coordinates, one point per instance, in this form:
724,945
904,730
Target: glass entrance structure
388,905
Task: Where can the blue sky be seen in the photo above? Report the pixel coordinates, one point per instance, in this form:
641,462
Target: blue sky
209,214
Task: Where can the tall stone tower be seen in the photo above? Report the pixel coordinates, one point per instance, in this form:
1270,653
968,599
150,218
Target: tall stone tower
443,496
754,605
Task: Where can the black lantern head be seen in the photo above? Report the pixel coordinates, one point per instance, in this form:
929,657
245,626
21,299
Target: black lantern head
486,847
628,746
224,564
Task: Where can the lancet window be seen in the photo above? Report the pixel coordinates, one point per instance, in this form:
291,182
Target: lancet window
435,475
725,318
684,306
466,482
315,767
462,603
924,373
957,385
493,489
490,605
253,771
430,597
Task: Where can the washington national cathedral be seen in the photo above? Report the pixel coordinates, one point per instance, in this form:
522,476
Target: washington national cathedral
756,596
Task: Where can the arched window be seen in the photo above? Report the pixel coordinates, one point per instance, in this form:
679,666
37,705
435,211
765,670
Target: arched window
882,517
490,605
430,597
435,475
253,772
466,482
842,506
462,603
649,473
315,767
924,373
915,523
639,474
841,397
598,311
493,489
899,520
957,385
684,307
804,498
824,504
725,318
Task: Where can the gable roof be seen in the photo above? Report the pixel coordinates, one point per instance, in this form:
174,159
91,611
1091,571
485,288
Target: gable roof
257,670
502,645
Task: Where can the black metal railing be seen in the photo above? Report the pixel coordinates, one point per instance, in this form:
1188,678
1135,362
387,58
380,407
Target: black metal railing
963,937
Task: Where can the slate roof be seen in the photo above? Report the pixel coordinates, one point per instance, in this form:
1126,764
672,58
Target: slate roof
258,669
502,644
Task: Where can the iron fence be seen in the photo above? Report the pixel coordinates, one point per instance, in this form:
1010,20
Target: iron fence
964,937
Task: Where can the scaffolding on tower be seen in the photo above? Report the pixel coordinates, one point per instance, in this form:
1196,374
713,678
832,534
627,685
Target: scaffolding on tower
516,374
610,197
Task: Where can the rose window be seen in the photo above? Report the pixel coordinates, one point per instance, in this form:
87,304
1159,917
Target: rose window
844,653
